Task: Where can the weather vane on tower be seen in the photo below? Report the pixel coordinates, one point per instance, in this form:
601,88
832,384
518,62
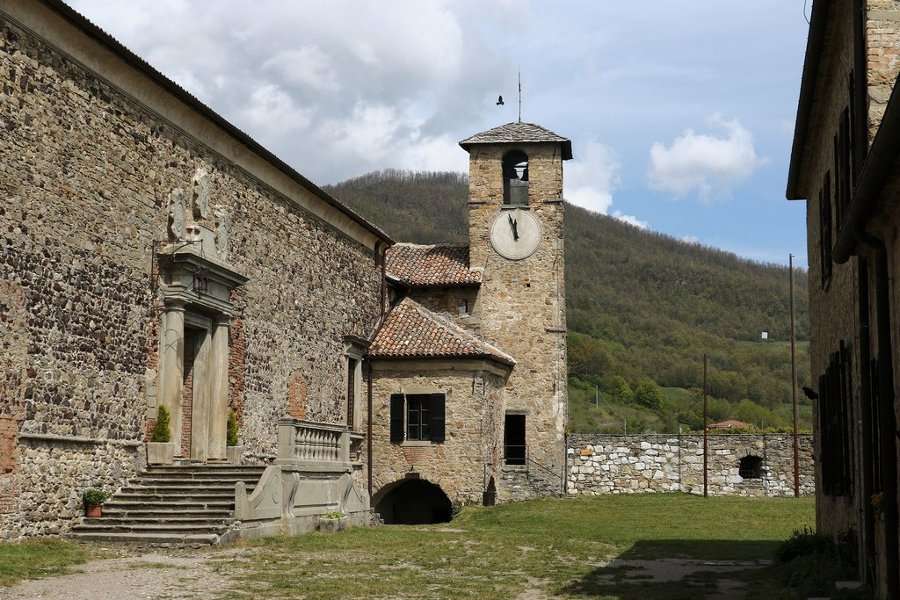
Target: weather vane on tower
500,101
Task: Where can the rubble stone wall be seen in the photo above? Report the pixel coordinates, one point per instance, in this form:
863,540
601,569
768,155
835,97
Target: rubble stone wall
630,464
472,447
85,173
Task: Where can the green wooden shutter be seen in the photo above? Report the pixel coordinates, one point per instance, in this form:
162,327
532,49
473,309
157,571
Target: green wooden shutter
397,418
437,418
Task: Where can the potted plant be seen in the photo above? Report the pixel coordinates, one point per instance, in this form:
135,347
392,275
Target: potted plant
93,501
233,451
160,450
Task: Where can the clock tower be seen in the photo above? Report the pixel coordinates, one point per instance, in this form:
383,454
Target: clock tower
516,226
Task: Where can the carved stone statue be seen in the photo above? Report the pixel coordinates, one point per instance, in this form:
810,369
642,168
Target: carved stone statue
200,194
176,221
223,233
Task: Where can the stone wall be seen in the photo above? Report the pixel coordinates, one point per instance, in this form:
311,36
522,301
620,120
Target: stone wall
51,476
629,464
521,304
84,177
472,448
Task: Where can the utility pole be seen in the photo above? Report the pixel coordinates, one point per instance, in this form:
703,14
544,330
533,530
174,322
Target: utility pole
794,379
705,434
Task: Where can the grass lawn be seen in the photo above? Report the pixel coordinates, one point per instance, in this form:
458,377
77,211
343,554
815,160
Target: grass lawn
34,559
537,549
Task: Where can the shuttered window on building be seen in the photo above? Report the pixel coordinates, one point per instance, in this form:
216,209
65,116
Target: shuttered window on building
418,417
826,239
835,395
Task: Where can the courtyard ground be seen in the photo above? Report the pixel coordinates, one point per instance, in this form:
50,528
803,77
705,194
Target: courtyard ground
647,547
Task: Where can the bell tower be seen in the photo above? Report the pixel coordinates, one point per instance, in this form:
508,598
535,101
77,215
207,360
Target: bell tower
516,227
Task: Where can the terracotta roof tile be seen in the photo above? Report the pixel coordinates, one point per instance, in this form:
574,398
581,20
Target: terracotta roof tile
412,331
431,266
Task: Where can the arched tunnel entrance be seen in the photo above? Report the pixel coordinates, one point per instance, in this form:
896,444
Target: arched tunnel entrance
413,502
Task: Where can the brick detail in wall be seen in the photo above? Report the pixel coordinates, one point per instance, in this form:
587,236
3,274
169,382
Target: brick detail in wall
297,396
8,431
237,357
187,393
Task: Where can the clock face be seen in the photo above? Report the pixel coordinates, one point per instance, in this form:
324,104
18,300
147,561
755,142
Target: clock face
515,234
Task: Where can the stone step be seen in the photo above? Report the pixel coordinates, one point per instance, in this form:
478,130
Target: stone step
172,519
178,539
202,474
130,505
116,527
178,481
160,514
196,497
179,490
206,468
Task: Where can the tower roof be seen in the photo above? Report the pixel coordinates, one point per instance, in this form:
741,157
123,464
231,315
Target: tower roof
519,133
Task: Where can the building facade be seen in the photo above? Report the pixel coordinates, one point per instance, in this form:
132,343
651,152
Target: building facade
152,255
478,335
156,257
844,165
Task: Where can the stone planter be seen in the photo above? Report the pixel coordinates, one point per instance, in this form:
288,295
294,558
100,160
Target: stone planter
233,454
332,524
160,453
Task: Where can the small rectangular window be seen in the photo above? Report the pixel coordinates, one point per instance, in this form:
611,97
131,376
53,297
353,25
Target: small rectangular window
514,450
418,426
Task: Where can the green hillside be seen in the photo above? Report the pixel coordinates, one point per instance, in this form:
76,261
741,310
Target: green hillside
643,308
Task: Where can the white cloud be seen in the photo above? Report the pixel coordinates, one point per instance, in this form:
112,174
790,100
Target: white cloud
306,66
631,220
591,179
690,239
704,163
334,89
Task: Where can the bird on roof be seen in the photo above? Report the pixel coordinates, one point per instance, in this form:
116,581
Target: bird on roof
500,101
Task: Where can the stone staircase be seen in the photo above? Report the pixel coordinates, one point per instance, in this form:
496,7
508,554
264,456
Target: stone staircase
179,504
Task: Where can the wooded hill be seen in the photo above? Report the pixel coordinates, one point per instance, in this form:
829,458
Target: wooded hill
643,308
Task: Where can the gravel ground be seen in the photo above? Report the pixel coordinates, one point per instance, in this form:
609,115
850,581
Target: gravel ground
142,576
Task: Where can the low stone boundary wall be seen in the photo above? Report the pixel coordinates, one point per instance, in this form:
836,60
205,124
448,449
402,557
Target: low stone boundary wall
628,464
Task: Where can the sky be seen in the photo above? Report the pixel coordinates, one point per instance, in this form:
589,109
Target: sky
680,113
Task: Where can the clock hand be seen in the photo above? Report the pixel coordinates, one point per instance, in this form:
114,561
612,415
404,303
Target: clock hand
515,227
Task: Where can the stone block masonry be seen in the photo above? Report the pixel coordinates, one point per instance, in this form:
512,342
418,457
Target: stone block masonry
646,463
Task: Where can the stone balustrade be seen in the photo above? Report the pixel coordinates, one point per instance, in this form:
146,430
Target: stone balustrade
307,442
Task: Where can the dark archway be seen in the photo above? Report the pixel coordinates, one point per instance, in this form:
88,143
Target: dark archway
413,502
515,178
750,467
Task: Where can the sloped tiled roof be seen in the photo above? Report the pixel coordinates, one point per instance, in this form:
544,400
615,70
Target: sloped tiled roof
518,133
430,266
412,331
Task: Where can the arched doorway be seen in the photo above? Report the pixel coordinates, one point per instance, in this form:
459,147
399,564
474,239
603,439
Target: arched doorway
413,502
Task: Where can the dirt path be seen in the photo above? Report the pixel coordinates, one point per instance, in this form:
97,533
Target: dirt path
196,575
148,576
